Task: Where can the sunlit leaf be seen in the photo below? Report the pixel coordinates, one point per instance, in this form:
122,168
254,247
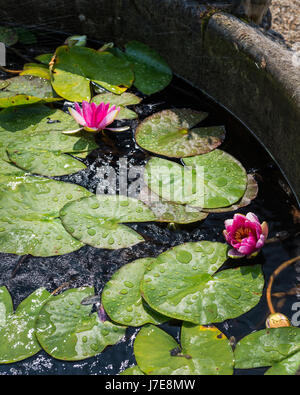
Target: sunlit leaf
37,70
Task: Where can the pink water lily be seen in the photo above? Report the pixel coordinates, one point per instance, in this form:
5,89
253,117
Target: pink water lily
245,234
93,117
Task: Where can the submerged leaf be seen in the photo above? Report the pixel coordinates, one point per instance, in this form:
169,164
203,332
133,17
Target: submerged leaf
122,299
278,348
171,133
184,283
76,67
8,36
18,339
67,330
203,351
97,220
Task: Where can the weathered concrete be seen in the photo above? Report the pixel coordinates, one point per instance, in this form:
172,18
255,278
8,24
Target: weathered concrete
233,62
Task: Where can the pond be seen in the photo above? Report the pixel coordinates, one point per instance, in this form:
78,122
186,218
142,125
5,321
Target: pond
88,266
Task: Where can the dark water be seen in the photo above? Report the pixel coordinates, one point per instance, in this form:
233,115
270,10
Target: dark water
94,267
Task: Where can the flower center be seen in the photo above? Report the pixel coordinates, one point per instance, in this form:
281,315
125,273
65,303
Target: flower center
241,234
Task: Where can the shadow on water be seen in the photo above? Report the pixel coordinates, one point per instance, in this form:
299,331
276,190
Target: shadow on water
91,266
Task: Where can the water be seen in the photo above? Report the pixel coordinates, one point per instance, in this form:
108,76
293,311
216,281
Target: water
94,267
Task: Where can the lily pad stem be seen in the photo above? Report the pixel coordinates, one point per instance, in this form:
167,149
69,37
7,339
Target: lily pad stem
272,278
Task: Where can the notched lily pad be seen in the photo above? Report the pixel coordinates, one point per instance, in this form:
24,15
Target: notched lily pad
26,89
122,299
97,220
18,339
184,283
67,330
212,180
29,222
172,133
123,100
277,348
203,351
80,65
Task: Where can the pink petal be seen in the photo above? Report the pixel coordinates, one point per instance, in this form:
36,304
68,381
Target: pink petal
110,117
252,218
78,118
87,113
265,229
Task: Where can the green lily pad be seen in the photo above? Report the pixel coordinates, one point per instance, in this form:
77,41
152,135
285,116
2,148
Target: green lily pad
26,89
278,348
39,126
133,371
183,283
203,351
170,212
18,339
76,67
97,220
6,306
8,36
123,100
121,297
29,210
212,180
37,70
171,133
152,73
44,58
43,162
67,330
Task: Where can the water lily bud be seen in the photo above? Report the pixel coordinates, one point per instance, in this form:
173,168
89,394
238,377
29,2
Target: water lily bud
277,320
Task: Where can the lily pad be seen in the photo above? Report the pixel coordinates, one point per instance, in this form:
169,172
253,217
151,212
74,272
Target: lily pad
122,300
170,212
278,348
123,100
29,210
151,72
67,330
203,351
133,371
8,36
76,67
18,340
171,133
184,283
249,195
212,180
44,58
43,162
97,220
26,89
37,70
38,126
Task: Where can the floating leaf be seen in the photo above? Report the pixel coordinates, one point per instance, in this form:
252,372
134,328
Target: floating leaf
44,58
121,297
6,306
123,100
133,371
212,180
278,348
249,195
18,340
203,351
97,220
43,162
170,212
171,133
37,70
183,283
67,330
26,89
36,126
8,36
151,72
75,67
29,223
